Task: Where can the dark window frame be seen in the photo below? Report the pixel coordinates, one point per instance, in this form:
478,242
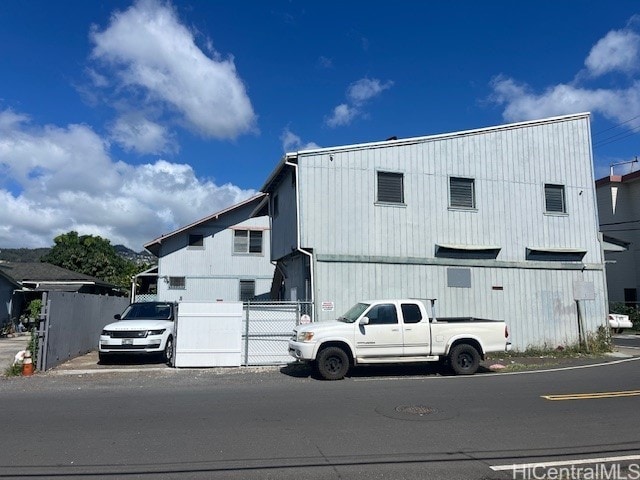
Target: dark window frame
252,243
242,292
462,193
390,188
555,200
195,241
376,320
177,283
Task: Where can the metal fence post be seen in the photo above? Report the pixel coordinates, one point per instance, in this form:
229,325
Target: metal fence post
246,335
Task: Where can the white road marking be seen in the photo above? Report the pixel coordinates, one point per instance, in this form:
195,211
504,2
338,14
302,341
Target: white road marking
579,461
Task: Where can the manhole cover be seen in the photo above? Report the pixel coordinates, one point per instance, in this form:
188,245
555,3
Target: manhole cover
419,410
417,413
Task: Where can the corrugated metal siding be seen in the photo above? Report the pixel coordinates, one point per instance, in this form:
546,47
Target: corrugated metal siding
510,166
284,226
510,169
538,305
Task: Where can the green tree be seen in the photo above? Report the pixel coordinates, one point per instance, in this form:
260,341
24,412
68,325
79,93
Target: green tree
91,255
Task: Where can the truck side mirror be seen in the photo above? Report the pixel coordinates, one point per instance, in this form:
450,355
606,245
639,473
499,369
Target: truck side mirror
117,316
364,321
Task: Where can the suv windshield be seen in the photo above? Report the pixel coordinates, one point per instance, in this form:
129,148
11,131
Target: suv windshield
353,313
153,311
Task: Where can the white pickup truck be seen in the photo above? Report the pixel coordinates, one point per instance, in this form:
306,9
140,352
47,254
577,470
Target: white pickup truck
396,331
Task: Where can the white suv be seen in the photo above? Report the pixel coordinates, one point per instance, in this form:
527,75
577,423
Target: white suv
143,328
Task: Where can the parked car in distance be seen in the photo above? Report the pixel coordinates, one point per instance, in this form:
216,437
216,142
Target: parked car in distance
619,322
143,328
396,331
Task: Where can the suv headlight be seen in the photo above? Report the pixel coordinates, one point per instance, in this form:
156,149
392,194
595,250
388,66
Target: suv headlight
305,336
156,332
106,333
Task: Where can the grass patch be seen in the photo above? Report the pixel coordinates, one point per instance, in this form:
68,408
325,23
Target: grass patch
13,371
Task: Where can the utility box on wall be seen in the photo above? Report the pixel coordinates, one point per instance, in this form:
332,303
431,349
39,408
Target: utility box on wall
208,334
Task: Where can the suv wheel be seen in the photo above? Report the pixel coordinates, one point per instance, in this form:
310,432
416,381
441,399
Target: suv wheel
168,351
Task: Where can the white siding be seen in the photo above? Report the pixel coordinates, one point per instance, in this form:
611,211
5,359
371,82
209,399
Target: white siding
214,272
538,305
365,250
510,168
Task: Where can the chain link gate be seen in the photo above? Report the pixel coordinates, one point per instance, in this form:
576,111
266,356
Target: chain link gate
267,329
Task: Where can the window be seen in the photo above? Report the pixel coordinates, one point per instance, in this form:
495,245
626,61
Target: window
390,187
177,283
554,199
462,193
196,240
384,314
411,313
247,290
247,241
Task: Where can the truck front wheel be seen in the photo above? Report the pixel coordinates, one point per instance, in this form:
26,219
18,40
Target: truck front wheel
464,359
332,363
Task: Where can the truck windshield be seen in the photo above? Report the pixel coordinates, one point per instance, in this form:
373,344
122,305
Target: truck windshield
353,313
153,311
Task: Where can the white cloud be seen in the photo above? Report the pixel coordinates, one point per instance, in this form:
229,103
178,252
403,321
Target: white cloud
292,142
358,94
66,180
155,57
136,133
365,89
342,115
616,52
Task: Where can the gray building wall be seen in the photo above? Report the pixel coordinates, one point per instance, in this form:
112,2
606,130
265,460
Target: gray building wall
621,222
363,249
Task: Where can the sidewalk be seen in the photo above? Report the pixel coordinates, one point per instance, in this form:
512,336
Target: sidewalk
9,347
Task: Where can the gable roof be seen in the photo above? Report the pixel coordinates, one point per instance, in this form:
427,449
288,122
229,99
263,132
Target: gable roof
38,274
291,158
154,245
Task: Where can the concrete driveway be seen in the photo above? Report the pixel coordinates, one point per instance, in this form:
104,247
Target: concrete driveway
9,346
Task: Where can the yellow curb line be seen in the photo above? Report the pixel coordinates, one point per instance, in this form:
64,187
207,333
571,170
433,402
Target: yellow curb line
591,396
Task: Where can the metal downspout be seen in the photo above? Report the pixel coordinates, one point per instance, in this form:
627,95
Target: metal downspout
298,248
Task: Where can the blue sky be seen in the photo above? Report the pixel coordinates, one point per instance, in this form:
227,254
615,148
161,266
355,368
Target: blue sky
130,119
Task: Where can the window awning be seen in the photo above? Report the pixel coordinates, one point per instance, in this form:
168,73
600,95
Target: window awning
454,246
556,250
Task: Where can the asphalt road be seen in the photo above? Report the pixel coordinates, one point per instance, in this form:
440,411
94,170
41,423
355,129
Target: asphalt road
282,424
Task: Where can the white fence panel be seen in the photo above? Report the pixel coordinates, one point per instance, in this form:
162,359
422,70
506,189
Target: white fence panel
209,334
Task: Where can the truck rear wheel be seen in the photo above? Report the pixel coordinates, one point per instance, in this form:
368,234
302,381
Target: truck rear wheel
464,359
332,363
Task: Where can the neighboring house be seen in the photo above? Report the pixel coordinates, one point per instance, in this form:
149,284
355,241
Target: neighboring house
21,282
498,222
619,214
223,257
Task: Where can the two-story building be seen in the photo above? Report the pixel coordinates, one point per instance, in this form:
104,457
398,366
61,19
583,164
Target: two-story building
619,213
222,257
497,222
